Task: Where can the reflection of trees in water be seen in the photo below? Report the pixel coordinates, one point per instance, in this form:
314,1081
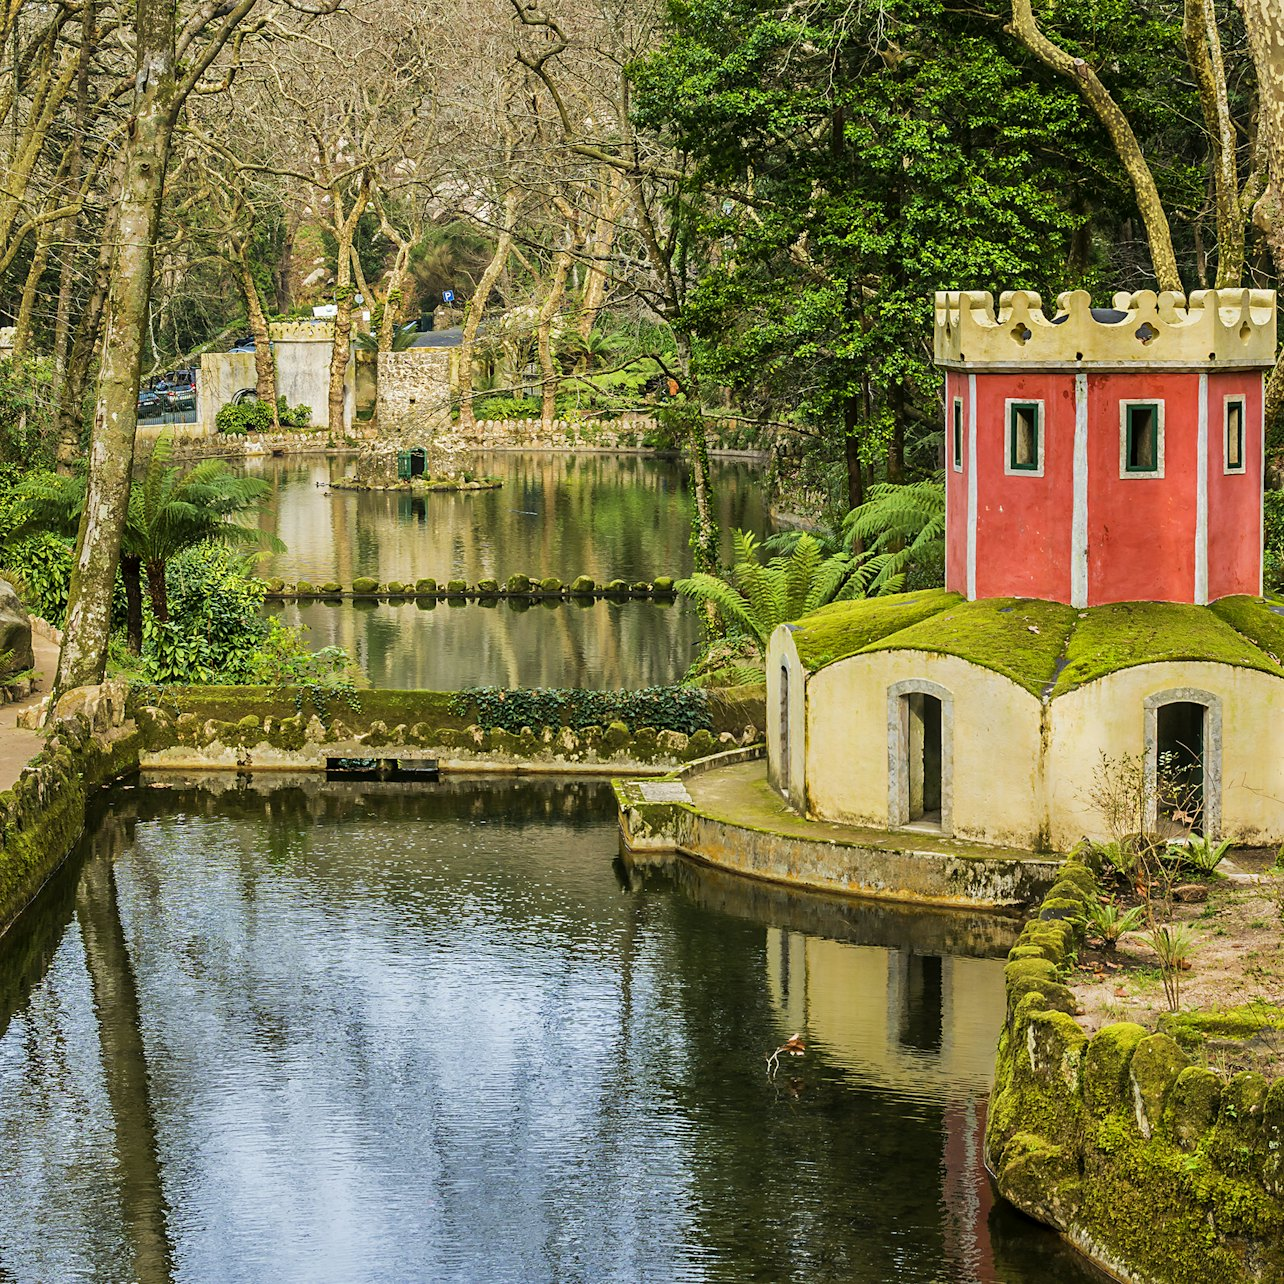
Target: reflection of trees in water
803,1177
124,1058
557,514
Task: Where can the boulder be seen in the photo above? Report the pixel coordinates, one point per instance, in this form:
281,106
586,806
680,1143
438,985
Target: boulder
15,631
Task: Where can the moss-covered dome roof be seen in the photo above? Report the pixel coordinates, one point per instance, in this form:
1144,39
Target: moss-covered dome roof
1046,647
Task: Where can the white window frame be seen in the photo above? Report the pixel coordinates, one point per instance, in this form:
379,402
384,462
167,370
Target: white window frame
1042,436
1241,400
1132,474
958,417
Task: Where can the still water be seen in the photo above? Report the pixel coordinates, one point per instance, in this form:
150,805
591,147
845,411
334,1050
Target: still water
607,516
331,1033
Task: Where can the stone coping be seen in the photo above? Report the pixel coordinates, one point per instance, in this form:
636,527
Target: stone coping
734,820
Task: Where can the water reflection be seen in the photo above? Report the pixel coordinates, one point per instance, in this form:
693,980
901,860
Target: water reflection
566,515
608,516
444,646
358,1034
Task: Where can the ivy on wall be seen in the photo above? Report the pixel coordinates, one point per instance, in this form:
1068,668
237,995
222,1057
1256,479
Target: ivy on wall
672,708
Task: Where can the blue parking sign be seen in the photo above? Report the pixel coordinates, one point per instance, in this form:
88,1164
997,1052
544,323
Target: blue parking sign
448,296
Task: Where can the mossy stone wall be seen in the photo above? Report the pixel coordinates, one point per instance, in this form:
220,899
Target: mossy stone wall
1158,1168
42,816
245,727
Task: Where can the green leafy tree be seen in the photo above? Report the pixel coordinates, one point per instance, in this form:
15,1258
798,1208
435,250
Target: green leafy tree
170,509
902,531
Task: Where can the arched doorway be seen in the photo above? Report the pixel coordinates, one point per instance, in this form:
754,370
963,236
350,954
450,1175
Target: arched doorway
1183,750
920,756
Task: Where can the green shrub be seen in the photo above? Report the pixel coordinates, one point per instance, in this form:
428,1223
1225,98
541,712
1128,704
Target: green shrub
506,408
672,708
300,417
248,416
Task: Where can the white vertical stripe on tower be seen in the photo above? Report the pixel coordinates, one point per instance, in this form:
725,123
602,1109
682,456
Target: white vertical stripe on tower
971,487
1079,521
1261,508
1201,497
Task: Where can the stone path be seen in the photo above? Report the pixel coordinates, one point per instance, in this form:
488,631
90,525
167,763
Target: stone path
17,745
742,796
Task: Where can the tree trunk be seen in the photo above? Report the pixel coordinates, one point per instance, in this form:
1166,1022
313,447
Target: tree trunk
84,650
157,591
345,230
71,392
851,453
26,309
547,314
264,370
477,305
1264,20
1204,50
608,216
75,168
131,567
1127,148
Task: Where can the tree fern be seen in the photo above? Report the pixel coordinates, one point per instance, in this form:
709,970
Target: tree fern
898,526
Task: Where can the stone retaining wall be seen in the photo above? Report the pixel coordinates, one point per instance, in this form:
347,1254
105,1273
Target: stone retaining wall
42,816
1158,1168
651,823
247,728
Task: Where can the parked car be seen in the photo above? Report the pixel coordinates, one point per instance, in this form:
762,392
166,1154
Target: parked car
180,390
243,345
151,404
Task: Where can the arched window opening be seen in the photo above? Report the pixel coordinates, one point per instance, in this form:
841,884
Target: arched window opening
784,728
1179,763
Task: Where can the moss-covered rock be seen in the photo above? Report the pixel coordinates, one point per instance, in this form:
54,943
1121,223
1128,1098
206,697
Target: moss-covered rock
304,588
395,588
425,585
640,587
518,584
1106,1064
456,588
274,587
1192,1105
583,585
1156,1063
662,584
488,587
365,585
550,584
616,736
616,588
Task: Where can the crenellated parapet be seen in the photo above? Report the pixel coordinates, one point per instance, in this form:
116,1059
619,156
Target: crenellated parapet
301,331
1226,327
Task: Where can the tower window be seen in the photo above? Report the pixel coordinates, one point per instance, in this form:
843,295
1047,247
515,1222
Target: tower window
957,435
1235,462
1142,439
1025,437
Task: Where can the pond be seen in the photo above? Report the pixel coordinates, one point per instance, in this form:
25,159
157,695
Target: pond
346,1033
607,516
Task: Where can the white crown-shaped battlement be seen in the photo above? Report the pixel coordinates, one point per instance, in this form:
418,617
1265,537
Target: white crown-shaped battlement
1234,327
301,331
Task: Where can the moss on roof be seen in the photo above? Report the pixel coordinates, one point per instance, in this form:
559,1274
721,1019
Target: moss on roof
842,628
1021,638
1124,634
1261,622
1046,647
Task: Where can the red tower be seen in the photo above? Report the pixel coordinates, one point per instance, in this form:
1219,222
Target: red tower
1105,454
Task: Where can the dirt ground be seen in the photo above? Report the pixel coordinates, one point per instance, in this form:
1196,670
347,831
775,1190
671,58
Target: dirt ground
1237,963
